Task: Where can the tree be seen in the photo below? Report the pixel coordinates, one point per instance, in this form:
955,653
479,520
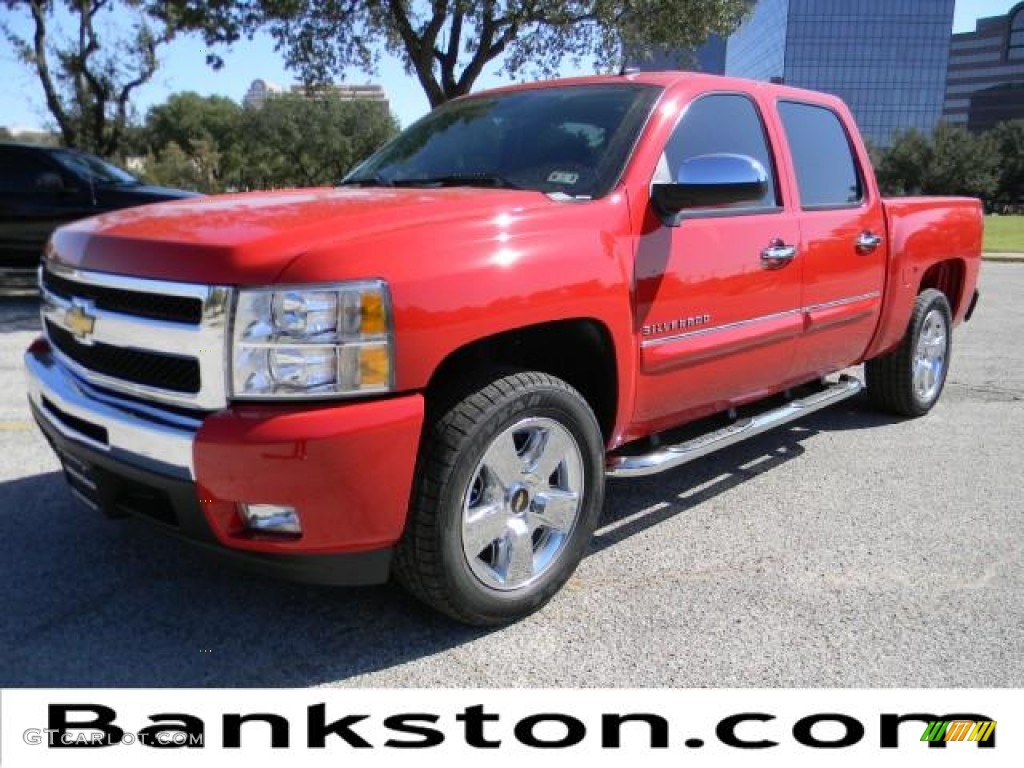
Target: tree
89,78
293,140
210,144
446,44
205,130
5,135
900,169
961,164
1009,142
949,162
170,166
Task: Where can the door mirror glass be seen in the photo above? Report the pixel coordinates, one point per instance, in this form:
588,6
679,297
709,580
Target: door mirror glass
709,181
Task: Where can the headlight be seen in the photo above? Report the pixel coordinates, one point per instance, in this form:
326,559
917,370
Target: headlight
312,341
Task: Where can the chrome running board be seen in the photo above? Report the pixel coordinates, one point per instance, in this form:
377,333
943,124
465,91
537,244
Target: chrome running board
671,456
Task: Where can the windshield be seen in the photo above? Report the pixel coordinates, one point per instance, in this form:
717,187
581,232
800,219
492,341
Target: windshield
92,169
572,140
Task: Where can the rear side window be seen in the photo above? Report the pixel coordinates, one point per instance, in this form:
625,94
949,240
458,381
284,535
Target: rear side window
20,171
826,170
725,123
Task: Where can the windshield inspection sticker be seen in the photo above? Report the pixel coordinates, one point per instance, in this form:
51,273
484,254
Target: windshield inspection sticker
563,177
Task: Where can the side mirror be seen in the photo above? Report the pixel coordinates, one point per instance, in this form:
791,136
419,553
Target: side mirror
707,181
49,181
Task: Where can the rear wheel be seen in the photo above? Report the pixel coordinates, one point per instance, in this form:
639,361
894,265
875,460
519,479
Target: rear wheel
508,493
910,379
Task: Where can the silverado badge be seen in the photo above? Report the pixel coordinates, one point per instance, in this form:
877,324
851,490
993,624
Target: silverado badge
681,323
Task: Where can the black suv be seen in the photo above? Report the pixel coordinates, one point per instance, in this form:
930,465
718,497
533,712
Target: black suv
43,187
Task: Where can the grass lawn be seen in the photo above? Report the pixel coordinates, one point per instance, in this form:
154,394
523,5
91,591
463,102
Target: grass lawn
1004,234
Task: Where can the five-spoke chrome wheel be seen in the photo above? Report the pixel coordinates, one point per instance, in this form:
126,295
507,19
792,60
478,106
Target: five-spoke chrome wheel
909,379
522,503
509,488
930,356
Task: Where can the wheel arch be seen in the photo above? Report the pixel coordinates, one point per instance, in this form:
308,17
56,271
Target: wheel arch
947,277
580,351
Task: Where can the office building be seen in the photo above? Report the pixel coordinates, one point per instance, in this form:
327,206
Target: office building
709,59
886,59
261,90
986,73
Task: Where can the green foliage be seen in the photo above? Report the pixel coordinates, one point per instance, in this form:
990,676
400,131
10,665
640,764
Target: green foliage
447,45
1009,141
210,144
204,130
298,141
173,167
949,162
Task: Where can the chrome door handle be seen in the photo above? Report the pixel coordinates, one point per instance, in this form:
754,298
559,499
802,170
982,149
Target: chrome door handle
868,242
777,255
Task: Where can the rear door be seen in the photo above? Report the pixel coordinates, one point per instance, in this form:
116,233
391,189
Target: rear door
842,226
718,317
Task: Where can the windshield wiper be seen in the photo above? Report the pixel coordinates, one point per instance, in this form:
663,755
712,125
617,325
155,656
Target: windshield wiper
459,180
366,181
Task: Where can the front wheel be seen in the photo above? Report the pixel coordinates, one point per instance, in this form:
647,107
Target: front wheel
508,492
909,380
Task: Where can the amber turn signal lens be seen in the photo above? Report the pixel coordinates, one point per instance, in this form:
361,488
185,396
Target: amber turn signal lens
375,319
374,367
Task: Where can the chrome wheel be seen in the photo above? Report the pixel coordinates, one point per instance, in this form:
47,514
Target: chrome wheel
930,356
522,503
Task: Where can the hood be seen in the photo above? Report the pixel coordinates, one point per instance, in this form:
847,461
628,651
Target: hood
249,239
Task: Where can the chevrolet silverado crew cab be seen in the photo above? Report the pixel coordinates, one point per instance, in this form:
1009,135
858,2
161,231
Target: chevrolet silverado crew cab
428,371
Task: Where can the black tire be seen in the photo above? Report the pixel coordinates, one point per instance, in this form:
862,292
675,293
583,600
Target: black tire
431,560
890,378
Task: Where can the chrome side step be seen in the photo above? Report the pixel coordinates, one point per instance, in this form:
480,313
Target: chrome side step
671,456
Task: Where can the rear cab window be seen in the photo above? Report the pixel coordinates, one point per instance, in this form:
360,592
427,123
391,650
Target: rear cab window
21,170
827,173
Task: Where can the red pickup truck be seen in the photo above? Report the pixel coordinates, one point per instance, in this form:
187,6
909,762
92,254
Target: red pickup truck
429,370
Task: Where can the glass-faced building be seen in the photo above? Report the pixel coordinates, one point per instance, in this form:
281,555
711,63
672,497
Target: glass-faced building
986,73
887,59
709,58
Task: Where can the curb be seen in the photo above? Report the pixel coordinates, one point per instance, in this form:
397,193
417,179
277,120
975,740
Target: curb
1005,258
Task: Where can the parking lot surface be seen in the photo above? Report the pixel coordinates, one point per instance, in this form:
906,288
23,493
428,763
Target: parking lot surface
850,549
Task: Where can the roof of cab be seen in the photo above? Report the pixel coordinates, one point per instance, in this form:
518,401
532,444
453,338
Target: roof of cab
669,78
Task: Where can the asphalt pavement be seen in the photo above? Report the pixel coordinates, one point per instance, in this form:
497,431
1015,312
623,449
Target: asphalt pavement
850,549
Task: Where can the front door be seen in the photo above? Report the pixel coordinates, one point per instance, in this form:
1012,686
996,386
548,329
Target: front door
718,295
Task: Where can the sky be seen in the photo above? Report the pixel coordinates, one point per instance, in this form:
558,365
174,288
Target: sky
183,68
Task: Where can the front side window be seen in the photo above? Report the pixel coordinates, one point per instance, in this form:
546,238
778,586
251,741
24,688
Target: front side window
717,124
826,170
572,141
93,169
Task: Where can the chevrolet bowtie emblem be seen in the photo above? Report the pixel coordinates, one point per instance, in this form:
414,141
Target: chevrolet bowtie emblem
79,322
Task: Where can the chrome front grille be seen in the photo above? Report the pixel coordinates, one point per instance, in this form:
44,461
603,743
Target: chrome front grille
156,306
151,339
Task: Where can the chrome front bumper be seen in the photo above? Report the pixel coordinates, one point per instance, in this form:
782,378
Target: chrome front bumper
126,430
